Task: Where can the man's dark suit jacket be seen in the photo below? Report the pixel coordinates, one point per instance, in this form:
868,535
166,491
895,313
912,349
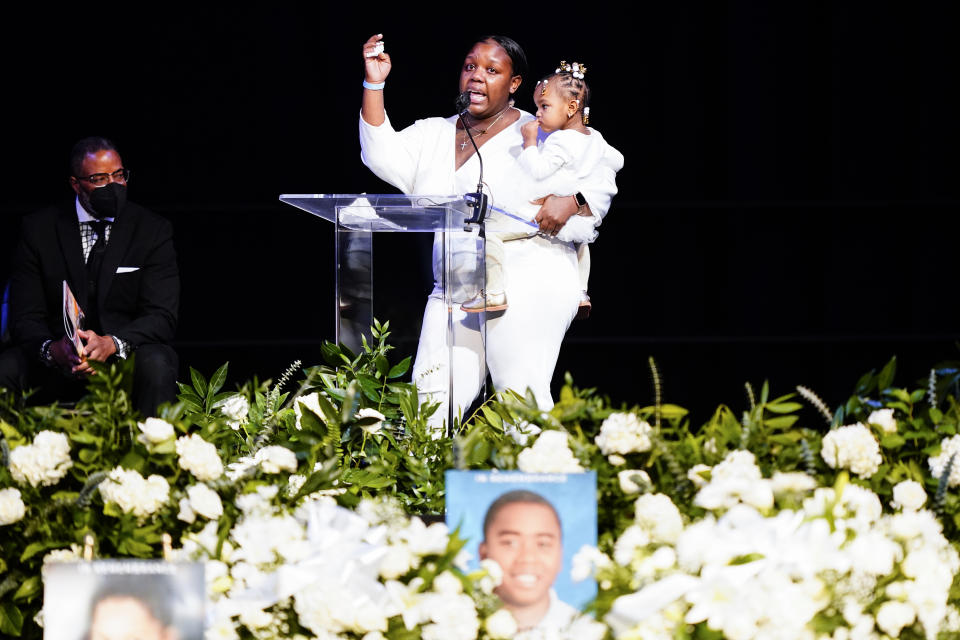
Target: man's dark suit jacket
138,289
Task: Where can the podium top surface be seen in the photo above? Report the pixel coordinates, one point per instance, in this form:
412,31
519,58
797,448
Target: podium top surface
394,212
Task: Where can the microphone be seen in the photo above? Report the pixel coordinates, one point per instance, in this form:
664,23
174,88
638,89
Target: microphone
479,199
463,102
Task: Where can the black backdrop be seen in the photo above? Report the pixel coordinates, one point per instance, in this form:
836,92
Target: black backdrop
786,211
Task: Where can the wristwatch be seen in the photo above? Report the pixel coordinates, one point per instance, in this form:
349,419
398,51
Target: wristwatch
580,200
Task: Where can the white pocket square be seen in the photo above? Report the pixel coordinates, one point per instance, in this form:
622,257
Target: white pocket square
127,269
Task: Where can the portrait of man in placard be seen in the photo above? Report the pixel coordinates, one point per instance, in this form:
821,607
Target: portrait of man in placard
531,525
123,600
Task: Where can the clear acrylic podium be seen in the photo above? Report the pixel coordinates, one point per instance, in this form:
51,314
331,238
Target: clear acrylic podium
458,255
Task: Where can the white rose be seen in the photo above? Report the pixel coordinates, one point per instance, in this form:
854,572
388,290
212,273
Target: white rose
447,583
12,508
852,447
199,457
255,618
274,459
549,454
697,474
501,625
884,419
44,462
367,412
659,517
908,495
133,493
235,407
154,431
312,402
186,513
893,616
633,480
396,561
623,433
205,501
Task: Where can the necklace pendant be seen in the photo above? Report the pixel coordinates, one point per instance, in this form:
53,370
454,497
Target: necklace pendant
463,145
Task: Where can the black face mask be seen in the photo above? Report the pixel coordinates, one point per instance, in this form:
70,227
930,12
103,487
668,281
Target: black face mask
108,201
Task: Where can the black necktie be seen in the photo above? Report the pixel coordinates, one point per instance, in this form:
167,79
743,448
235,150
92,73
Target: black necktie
94,262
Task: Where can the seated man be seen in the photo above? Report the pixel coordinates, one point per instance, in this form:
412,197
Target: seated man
119,261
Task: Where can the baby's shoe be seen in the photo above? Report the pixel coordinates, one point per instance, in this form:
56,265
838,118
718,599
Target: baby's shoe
485,302
583,311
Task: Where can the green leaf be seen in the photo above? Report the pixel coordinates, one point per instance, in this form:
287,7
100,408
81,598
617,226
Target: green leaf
672,411
37,547
190,404
11,620
217,380
784,407
133,460
88,455
369,479
383,366
28,589
886,374
199,383
402,367
491,416
893,441
84,437
783,422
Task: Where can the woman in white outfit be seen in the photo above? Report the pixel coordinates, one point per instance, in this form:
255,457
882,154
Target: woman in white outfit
433,156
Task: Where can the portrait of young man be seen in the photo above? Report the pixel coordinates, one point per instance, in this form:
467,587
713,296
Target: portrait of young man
531,525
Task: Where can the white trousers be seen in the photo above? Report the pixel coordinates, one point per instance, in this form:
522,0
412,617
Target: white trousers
523,343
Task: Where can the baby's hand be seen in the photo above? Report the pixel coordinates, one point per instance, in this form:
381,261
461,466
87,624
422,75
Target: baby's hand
529,132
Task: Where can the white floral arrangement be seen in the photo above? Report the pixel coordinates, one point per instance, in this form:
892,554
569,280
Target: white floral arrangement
749,575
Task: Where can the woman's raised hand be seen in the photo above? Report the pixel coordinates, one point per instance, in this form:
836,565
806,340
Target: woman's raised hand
376,62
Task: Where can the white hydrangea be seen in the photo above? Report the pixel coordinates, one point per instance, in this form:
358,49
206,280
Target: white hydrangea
948,448
658,516
623,433
44,462
908,495
451,617
154,431
736,479
629,543
586,562
12,507
792,482
199,457
884,419
493,577
501,625
852,447
549,454
133,493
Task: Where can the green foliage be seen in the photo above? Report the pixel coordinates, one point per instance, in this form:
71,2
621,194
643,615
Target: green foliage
359,430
